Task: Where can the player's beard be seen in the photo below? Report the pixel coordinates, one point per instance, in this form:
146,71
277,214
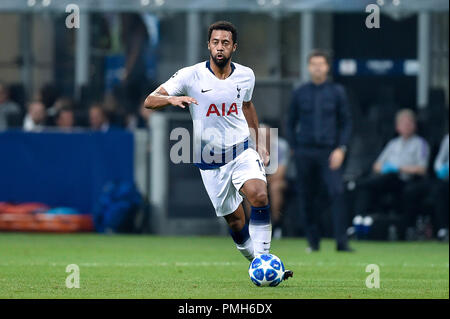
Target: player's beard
221,63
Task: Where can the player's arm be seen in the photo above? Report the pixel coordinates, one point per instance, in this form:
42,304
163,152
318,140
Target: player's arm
252,120
160,98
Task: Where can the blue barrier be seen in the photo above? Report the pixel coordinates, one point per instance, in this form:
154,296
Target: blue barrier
63,169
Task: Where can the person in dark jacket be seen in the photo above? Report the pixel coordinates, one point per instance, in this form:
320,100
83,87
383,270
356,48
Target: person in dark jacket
319,128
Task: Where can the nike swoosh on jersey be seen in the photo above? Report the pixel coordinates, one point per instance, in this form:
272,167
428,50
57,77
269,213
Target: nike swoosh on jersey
204,91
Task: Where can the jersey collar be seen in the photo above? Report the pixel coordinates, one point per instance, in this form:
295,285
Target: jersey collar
233,67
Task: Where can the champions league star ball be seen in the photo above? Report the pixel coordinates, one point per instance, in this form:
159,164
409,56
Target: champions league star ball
266,270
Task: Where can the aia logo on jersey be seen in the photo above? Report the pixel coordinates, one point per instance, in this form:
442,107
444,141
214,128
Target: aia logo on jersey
213,109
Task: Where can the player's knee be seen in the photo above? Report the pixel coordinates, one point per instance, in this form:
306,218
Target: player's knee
236,224
260,198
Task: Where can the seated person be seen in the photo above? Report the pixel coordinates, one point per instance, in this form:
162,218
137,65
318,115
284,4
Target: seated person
8,108
140,119
399,170
65,119
36,117
98,118
441,189
54,111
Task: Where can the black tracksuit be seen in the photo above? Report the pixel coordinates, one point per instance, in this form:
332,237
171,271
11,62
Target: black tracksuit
319,121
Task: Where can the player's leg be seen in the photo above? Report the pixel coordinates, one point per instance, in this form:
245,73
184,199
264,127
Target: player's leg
240,233
227,203
250,179
260,227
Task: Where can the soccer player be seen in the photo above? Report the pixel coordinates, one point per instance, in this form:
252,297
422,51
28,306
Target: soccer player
218,93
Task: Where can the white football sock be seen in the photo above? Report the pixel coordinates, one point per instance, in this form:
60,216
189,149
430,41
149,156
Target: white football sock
246,249
260,229
261,235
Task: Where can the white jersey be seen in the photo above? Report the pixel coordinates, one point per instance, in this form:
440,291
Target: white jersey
218,118
219,122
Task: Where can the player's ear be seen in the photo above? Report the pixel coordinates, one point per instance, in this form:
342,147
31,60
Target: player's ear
234,47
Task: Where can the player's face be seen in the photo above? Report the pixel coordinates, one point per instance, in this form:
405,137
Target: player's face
221,47
318,67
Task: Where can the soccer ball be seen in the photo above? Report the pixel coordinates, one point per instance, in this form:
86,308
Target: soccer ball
266,270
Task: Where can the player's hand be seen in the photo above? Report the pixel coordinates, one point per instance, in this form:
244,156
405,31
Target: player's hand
264,154
336,159
182,101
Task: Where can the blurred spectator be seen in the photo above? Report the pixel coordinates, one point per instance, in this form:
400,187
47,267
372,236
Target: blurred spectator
139,120
60,104
114,111
441,190
35,119
136,40
276,182
8,108
48,94
98,119
399,170
145,114
319,128
65,118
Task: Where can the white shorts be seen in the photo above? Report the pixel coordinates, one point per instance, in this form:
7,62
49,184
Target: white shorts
224,183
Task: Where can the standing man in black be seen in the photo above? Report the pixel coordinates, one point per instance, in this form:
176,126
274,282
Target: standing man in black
319,129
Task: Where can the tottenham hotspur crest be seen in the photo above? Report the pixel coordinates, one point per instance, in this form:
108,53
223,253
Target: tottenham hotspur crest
239,91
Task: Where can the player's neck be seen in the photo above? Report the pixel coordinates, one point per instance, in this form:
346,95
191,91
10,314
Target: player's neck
221,73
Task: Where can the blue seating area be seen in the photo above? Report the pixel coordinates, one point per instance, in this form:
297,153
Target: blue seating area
63,169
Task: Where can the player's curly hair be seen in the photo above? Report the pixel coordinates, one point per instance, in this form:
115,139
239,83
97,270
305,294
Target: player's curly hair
223,25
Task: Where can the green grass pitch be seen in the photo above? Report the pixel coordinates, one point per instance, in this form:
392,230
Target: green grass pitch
119,266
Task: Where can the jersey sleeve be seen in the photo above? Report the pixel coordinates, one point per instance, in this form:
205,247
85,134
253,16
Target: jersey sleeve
178,83
249,92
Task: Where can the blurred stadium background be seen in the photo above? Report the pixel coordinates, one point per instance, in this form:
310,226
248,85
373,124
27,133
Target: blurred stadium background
124,49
